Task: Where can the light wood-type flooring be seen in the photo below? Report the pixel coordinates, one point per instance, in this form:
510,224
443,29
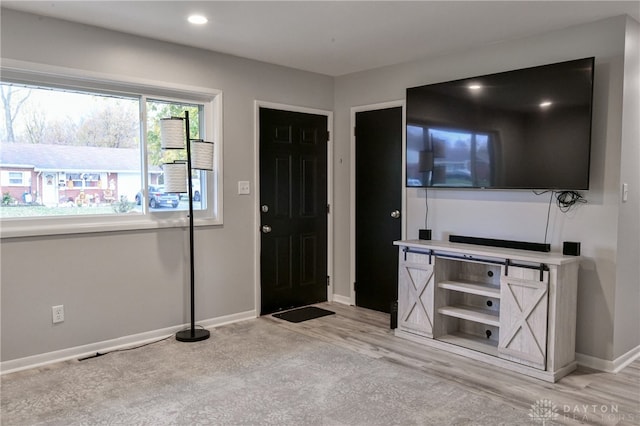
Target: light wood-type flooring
343,369
583,397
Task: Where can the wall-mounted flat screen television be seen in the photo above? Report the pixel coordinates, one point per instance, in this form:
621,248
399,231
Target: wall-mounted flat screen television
522,129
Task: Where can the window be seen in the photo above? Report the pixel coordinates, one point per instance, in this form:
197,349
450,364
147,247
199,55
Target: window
156,110
15,178
84,180
12,178
93,155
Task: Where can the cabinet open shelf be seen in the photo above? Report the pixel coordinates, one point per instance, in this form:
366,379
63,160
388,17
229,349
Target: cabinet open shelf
470,313
471,288
487,346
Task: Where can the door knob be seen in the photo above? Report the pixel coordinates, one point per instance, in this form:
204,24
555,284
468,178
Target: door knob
264,208
395,214
266,229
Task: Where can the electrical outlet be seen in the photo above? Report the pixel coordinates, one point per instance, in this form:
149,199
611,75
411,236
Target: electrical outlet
58,313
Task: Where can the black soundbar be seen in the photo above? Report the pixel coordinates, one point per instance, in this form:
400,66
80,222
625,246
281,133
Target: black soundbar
519,245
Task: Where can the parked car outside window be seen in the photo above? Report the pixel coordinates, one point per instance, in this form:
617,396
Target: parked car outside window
159,198
195,190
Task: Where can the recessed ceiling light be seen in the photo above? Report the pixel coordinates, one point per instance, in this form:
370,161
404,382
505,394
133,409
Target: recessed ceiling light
545,104
197,19
475,86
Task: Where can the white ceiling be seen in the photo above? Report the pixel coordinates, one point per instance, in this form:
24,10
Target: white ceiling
333,37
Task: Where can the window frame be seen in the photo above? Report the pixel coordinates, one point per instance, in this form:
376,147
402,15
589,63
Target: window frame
20,72
8,180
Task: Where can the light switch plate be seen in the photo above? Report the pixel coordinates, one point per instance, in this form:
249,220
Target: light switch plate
243,187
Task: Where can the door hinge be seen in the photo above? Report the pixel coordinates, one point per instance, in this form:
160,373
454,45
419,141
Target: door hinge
328,280
355,286
328,208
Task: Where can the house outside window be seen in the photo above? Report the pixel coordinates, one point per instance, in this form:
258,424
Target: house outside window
96,154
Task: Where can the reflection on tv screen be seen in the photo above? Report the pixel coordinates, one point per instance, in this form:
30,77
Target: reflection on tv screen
450,157
523,129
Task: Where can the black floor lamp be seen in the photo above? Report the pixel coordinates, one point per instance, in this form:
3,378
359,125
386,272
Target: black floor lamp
178,178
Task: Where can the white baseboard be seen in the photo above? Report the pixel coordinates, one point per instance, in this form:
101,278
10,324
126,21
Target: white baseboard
133,340
609,366
345,300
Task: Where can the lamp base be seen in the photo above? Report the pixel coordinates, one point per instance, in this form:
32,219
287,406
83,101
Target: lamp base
192,335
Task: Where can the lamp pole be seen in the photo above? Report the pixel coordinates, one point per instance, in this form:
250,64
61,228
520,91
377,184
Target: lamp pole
192,334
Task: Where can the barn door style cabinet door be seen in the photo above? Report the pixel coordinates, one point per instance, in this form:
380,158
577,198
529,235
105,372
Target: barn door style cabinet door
511,308
415,293
524,297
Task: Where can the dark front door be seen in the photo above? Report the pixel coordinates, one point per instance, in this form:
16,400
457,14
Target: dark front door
378,206
293,205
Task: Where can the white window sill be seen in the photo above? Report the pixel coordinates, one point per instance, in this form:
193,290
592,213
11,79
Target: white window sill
26,228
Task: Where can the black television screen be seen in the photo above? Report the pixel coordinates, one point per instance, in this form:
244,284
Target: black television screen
522,129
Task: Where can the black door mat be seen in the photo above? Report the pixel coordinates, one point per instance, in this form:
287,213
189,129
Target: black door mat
303,314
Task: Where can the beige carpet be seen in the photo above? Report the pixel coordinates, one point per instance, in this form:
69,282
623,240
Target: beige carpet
250,373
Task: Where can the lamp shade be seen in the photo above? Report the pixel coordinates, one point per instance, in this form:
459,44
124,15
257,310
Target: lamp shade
175,176
172,133
201,154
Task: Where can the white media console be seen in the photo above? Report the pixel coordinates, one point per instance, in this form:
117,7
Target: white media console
515,309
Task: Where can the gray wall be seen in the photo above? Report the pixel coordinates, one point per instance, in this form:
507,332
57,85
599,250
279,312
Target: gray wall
627,302
123,283
604,274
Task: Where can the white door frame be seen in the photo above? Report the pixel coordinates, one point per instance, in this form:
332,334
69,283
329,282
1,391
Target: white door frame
256,215
352,188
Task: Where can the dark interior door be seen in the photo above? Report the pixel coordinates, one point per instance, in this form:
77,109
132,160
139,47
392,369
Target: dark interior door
378,206
293,205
